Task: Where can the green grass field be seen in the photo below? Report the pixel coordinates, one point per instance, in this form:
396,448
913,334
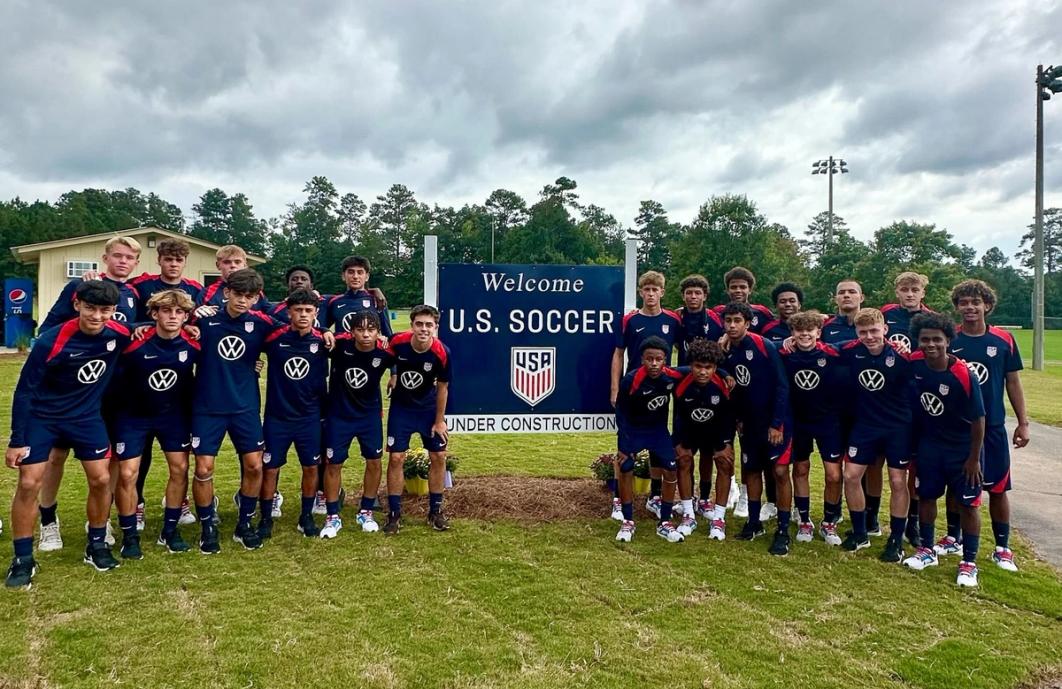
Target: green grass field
501,603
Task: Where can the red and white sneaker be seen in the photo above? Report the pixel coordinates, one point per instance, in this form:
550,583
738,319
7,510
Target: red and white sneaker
717,532
705,508
140,516
828,531
805,532
967,575
1004,559
948,546
668,532
617,509
319,506
186,513
626,531
687,526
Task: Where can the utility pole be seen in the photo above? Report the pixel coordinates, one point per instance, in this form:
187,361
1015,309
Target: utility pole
1048,81
829,167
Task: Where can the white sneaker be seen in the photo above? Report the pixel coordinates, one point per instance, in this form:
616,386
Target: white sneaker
687,526
768,511
626,532
718,530
828,531
805,532
278,500
140,516
922,558
108,539
217,513
947,546
367,521
1004,559
741,507
653,505
50,537
617,509
333,524
677,509
705,508
668,532
319,506
187,517
967,575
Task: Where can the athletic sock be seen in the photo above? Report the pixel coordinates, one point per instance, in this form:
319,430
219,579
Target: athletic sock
628,511
306,505
859,523
24,547
754,512
896,528
783,520
654,487
48,514
332,507
1001,531
719,512
954,520
97,534
969,547
665,511
687,507
873,508
247,507
613,487
912,509
803,505
394,505
434,502
367,504
926,533
127,523
265,507
205,513
705,489
170,517
743,491
834,511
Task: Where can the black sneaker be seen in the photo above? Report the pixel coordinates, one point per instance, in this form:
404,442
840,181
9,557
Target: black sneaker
393,525
99,556
265,527
246,536
131,548
913,532
780,545
20,574
438,521
209,542
307,526
173,542
893,551
874,528
750,531
853,543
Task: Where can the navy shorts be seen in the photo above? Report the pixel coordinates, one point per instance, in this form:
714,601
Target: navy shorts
244,428
865,446
758,454
402,423
997,459
340,432
86,437
305,435
704,447
131,434
826,434
940,469
657,441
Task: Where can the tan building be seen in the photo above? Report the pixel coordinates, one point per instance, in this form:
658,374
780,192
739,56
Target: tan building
62,260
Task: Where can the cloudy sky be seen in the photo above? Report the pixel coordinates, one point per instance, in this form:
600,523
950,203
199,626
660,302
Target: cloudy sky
931,104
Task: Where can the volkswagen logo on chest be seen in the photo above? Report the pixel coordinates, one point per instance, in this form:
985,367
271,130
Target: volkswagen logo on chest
91,371
356,378
231,347
296,368
162,379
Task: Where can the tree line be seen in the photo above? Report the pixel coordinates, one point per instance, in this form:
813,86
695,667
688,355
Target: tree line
326,225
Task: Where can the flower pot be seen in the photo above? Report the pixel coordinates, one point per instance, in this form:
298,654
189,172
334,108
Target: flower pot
417,486
448,480
641,486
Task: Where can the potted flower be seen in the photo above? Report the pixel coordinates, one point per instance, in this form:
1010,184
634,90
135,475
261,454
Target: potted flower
603,468
415,471
641,473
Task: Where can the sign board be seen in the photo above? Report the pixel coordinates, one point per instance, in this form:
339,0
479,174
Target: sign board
531,346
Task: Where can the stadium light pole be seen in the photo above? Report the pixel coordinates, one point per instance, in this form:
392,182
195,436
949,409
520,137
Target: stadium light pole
830,167
1048,81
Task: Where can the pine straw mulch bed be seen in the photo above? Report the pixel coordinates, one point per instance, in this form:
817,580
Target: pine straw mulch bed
521,498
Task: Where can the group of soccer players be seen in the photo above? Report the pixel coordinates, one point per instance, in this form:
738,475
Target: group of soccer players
120,363
900,387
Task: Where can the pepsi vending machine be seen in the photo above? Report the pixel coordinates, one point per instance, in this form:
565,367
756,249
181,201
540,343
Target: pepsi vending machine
18,311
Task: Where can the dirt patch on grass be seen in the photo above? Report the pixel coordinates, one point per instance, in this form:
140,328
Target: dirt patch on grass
521,498
1049,680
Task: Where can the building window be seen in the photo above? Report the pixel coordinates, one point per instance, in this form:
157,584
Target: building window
75,269
210,278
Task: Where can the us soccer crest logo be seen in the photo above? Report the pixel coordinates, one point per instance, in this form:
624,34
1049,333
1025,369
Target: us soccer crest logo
534,373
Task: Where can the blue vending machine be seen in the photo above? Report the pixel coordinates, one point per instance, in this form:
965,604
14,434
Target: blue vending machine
18,311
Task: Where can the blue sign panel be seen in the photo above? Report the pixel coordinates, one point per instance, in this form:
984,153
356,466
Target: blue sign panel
531,345
18,311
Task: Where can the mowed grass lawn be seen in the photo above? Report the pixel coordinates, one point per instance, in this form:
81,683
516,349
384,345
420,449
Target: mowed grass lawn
505,604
